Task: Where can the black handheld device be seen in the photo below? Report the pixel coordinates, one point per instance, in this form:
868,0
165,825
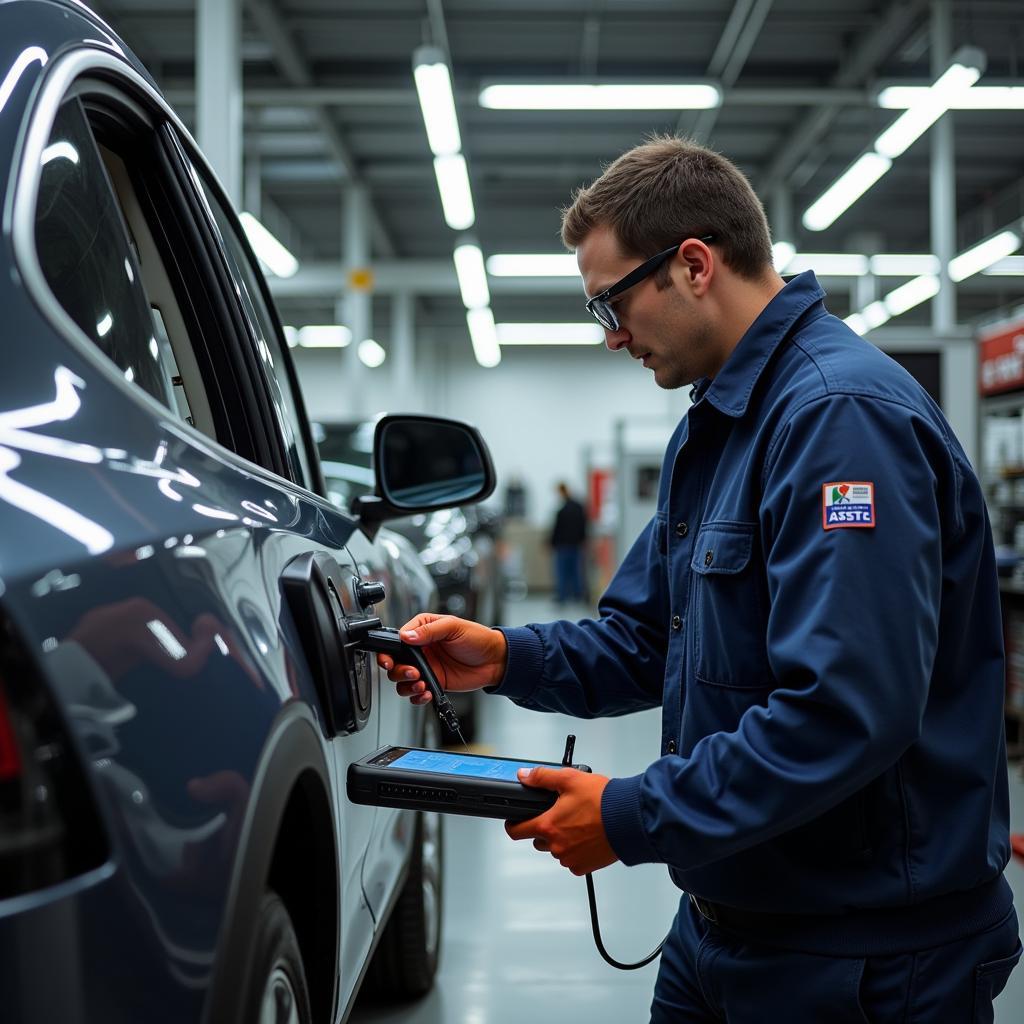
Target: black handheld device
448,781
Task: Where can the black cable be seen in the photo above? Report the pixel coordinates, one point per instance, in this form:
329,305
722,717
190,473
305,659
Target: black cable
597,935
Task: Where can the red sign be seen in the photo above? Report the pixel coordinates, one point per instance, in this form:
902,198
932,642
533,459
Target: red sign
1001,359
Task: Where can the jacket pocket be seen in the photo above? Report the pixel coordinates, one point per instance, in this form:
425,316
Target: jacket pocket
730,609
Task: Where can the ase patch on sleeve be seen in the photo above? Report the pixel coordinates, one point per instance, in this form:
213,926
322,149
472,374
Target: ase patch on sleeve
847,504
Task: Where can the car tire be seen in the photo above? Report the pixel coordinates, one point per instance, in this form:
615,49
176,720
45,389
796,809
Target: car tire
406,960
277,991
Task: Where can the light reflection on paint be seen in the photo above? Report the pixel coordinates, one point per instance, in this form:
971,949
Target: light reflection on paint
214,513
27,56
251,506
189,551
167,640
221,646
154,350
146,551
103,327
62,150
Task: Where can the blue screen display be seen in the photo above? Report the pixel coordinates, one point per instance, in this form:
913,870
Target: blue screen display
462,764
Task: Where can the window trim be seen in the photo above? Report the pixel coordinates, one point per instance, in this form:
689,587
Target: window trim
57,85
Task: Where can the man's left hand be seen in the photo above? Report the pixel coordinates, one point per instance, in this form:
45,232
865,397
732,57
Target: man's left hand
571,831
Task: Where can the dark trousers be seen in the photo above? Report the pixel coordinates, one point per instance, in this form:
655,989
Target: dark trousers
569,577
708,976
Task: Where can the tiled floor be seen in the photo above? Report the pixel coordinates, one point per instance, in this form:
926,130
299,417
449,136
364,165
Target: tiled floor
517,943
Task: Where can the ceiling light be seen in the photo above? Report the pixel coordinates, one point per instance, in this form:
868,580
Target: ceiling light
484,336
897,264
983,255
856,323
269,251
552,96
875,314
324,336
956,80
550,334
830,264
911,294
456,195
845,191
1010,266
291,335
434,88
469,267
782,253
981,97
537,264
371,353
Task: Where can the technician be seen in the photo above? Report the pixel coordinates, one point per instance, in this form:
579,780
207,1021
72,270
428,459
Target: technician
815,609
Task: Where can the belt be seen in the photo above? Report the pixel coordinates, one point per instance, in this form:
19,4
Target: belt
869,932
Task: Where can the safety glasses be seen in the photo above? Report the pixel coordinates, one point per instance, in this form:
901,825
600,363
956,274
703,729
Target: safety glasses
601,309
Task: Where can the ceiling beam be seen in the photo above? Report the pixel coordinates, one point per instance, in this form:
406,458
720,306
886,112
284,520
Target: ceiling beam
295,68
872,48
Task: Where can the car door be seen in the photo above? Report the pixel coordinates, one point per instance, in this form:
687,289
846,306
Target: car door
200,500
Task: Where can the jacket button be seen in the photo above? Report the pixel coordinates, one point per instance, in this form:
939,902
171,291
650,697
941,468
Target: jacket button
709,557
671,746
682,529
676,622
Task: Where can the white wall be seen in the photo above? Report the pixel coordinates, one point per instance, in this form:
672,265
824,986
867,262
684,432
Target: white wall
539,410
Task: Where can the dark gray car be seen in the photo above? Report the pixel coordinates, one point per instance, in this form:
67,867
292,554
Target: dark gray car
181,686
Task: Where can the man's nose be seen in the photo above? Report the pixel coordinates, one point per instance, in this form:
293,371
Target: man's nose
617,339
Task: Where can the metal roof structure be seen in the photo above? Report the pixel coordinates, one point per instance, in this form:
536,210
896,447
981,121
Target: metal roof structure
329,100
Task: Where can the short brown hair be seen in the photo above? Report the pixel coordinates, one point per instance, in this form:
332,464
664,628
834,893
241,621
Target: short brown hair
669,189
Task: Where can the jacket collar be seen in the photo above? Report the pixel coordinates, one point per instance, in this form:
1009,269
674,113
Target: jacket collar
730,391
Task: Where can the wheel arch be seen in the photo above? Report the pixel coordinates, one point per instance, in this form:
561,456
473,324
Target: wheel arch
288,822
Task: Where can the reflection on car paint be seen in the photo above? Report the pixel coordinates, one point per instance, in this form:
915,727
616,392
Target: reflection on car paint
28,56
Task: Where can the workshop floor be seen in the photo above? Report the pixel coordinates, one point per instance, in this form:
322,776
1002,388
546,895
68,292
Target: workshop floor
517,942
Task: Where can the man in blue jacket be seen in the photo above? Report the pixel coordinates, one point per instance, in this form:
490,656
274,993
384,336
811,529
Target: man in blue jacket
815,609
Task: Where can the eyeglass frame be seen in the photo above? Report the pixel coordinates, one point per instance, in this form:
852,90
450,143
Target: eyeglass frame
635,276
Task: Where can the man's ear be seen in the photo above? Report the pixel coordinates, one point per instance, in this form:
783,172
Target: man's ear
696,263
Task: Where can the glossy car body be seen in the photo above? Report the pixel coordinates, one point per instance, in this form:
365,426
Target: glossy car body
145,630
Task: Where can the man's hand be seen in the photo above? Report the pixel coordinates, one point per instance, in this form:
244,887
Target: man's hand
464,656
571,831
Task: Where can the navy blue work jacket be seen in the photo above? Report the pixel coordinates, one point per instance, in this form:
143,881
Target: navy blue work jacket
815,608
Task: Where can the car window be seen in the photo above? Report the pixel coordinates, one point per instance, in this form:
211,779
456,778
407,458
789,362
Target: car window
265,328
88,260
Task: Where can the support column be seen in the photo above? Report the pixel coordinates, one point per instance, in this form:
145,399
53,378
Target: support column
219,90
357,302
781,215
943,182
401,356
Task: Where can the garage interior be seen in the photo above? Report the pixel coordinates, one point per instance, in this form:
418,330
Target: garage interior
419,274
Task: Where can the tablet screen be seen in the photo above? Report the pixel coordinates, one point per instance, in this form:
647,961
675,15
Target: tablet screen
446,763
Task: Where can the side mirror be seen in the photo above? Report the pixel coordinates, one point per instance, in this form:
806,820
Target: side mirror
423,463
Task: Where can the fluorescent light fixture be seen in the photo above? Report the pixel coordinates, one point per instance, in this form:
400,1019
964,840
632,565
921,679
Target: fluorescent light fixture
856,323
553,96
434,88
983,255
291,335
782,253
845,191
484,336
1011,266
371,353
900,264
875,314
469,267
456,195
324,336
911,294
550,334
956,80
830,264
537,264
980,97
269,251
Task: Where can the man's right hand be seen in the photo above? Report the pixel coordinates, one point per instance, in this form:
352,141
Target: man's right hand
464,656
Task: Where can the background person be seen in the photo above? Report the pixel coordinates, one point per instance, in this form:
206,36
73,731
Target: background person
568,546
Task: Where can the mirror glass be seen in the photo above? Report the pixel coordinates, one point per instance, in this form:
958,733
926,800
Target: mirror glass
424,464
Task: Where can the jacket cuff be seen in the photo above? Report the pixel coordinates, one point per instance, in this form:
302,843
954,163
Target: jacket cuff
525,663
623,822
